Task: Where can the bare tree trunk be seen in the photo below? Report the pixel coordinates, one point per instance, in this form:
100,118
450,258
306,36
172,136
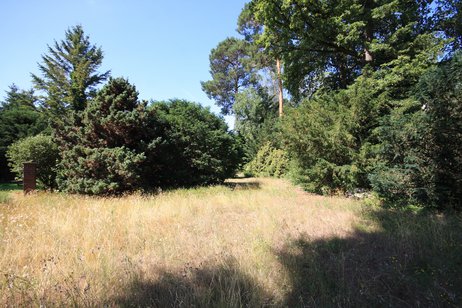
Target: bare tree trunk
281,98
368,56
369,32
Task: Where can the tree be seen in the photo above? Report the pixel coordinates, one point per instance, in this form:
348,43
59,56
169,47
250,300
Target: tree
69,72
231,72
328,43
440,95
118,144
263,57
105,153
449,21
318,137
255,119
39,149
332,136
193,146
19,118
421,142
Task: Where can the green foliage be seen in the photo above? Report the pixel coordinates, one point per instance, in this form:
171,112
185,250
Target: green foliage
193,146
102,150
119,145
421,143
19,118
69,72
328,44
440,95
449,21
318,136
269,161
333,137
256,118
396,177
39,149
367,117
100,171
231,72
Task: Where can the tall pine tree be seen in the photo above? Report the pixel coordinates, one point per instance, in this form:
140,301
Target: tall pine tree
231,70
70,72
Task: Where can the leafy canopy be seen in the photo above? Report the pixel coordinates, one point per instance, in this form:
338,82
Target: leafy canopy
19,118
39,149
231,72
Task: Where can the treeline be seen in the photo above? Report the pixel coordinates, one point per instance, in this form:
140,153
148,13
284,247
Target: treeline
107,141
373,95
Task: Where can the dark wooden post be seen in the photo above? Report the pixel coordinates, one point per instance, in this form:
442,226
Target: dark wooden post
30,174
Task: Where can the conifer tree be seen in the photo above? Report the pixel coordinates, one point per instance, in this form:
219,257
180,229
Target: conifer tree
69,72
104,154
231,72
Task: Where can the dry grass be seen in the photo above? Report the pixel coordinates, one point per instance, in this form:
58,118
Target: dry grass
248,243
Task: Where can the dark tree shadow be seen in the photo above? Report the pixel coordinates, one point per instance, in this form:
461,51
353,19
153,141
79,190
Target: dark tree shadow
222,286
414,261
406,260
243,185
233,184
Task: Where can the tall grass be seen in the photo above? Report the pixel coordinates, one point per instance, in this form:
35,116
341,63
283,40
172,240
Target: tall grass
252,242
5,189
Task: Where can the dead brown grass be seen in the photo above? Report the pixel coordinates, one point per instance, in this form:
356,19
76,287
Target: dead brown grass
79,250
250,242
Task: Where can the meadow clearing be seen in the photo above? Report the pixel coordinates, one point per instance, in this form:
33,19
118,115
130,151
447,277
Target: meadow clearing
249,242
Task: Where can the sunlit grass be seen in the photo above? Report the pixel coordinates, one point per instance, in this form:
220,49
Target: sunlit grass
6,189
251,242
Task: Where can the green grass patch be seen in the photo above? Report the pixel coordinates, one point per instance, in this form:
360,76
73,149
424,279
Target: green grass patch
5,189
10,186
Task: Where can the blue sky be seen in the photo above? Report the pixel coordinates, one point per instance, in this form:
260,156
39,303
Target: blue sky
160,46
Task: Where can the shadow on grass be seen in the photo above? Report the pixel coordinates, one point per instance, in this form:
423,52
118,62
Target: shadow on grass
10,186
414,261
410,260
243,185
216,286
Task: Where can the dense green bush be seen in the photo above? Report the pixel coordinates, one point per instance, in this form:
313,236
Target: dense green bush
269,161
318,136
100,171
118,144
440,95
193,146
39,149
19,118
334,137
421,143
103,147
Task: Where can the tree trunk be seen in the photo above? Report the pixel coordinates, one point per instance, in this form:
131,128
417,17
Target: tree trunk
368,31
281,98
368,56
